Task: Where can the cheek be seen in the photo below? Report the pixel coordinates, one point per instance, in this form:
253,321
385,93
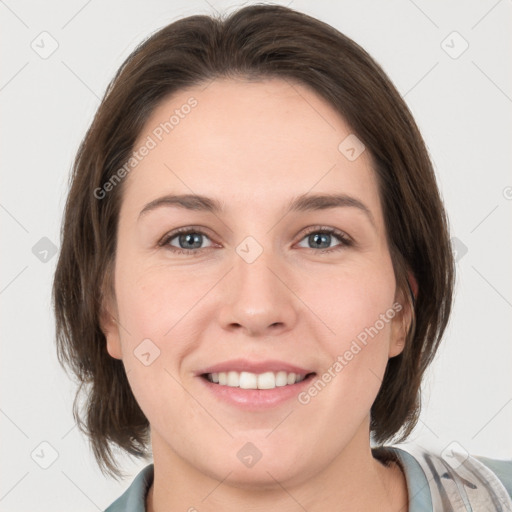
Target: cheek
156,301
161,318
351,300
357,310
154,309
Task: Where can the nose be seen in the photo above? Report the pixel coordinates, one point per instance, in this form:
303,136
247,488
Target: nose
258,298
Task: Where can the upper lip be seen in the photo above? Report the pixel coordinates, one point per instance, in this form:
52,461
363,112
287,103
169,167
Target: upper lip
245,365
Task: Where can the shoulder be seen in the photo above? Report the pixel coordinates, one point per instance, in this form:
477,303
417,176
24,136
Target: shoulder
455,477
501,468
134,498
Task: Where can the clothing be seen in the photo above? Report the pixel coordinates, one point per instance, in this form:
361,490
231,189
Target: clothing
435,483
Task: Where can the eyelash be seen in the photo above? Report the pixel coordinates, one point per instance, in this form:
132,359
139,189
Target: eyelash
342,237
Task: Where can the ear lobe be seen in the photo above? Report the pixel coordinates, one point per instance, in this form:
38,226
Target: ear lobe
399,334
107,320
110,329
403,321
413,285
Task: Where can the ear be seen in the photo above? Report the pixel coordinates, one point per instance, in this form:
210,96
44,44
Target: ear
402,322
110,328
413,284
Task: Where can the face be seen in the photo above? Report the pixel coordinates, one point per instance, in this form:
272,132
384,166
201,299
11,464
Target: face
258,275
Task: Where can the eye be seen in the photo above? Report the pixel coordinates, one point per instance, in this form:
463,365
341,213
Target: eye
323,238
190,241
186,241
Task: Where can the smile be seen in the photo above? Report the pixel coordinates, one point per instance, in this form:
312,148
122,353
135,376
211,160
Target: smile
249,380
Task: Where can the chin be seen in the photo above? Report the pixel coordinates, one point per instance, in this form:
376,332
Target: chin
258,464
258,478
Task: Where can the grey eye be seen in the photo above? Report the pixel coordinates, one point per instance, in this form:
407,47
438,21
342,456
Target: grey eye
189,240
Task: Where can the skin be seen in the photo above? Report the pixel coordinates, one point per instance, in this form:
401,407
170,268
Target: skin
255,146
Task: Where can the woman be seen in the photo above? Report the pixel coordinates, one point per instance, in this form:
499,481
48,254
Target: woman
255,274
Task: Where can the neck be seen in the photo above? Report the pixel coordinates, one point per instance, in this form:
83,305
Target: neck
353,480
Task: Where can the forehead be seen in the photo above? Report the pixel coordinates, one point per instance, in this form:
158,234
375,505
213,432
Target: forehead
260,142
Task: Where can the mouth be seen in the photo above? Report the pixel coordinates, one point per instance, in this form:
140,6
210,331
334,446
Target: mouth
252,385
250,380
252,392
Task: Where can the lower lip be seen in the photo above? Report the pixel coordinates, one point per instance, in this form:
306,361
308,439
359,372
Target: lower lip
257,399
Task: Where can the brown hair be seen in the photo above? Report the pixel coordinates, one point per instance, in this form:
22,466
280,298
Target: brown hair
255,42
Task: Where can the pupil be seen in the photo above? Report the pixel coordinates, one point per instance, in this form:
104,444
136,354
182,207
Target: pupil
318,238
191,240
194,240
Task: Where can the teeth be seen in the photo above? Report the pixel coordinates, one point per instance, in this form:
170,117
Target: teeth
248,380
282,378
291,378
266,380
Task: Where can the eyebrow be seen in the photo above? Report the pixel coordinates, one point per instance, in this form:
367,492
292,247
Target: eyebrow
305,202
186,201
308,202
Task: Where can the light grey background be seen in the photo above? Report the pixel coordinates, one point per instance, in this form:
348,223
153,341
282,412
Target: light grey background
462,105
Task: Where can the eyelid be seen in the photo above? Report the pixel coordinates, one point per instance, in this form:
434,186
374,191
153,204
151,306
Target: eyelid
325,229
344,239
164,241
